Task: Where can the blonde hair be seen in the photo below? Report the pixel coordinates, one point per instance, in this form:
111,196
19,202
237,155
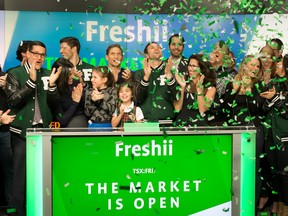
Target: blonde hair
242,70
268,50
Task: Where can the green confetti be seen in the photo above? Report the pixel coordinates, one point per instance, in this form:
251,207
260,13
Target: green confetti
215,35
162,2
226,210
211,23
122,19
200,151
11,210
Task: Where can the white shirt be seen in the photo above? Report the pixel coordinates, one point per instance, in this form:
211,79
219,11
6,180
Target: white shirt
138,114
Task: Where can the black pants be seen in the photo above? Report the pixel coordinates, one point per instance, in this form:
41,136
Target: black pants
6,163
19,182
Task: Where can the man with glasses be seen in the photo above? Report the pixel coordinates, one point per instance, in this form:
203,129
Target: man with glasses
26,89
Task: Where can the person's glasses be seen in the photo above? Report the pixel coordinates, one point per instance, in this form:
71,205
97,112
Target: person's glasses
36,54
193,66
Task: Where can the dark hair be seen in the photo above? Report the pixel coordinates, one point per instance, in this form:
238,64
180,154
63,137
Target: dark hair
36,43
205,69
105,73
126,84
22,48
280,44
112,46
146,47
62,81
176,35
285,67
226,60
72,42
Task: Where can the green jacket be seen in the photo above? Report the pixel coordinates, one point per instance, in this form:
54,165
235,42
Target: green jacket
20,90
156,96
277,109
86,69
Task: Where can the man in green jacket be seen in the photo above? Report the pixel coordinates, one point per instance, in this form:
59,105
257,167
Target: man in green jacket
26,89
156,87
70,49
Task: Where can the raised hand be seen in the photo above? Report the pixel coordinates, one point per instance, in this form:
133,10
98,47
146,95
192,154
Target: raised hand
54,76
180,78
77,93
199,84
32,71
169,66
3,81
127,74
132,117
78,74
96,95
147,69
122,108
268,94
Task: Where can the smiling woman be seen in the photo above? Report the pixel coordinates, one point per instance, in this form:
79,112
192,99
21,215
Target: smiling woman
196,94
243,104
268,61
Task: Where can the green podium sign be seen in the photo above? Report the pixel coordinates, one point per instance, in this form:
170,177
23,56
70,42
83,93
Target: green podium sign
122,174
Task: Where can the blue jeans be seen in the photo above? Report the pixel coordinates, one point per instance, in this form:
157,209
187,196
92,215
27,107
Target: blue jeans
6,163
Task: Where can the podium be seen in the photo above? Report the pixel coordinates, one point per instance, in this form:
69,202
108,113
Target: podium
172,171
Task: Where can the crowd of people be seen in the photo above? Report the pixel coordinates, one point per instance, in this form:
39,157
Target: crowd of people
189,92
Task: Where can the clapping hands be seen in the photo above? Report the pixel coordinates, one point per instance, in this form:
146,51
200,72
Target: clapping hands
77,93
96,95
268,94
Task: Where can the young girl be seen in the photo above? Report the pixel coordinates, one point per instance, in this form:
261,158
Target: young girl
101,99
126,111
197,94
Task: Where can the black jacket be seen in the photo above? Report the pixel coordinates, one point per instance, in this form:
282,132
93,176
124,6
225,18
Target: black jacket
3,105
